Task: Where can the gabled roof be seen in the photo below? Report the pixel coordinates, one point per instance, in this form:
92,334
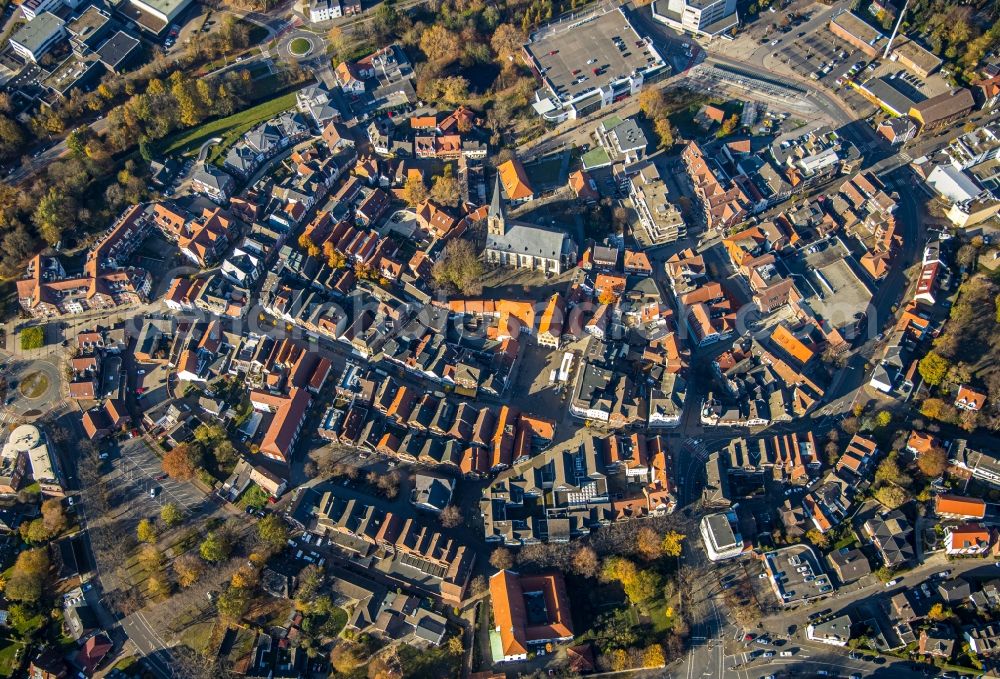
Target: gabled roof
515,180
960,506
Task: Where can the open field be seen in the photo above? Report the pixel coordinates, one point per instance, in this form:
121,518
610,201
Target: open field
229,128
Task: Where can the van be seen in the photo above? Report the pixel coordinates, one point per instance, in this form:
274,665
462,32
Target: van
785,654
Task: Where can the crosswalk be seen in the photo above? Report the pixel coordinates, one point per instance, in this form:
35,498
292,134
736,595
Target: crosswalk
697,446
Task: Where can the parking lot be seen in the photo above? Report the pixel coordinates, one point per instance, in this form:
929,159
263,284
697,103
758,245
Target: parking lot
137,471
809,55
796,576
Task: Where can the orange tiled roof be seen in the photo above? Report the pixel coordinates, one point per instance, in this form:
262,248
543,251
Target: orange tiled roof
515,180
960,506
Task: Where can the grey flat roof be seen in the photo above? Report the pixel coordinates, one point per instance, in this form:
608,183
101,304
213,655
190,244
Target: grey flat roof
117,48
34,33
885,91
88,23
722,531
170,8
561,53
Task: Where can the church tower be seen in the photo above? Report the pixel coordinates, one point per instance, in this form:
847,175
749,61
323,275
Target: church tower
496,220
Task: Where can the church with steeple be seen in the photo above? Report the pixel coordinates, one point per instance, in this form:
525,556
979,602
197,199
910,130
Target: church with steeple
524,246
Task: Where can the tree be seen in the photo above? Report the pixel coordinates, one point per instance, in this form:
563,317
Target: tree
939,613
151,558
214,548
34,532
653,103
272,531
506,43
502,559
171,514
458,267
146,532
233,603
936,409
30,576
179,463
453,90
54,516
346,655
891,496
415,191
883,419
585,562
310,581
188,568
933,462
665,131
245,577
451,517
933,367
728,126
648,544
54,215
889,471
446,190
819,539
639,585
653,656
440,45
673,543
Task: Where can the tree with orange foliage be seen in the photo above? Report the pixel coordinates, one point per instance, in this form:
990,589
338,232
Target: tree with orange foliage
180,463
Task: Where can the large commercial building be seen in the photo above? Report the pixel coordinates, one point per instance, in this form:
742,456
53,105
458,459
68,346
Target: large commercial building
587,65
700,17
153,15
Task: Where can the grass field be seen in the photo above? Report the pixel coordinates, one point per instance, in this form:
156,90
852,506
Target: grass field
299,46
8,657
230,128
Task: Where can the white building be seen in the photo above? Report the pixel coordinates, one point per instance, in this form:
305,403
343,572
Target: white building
835,632
29,441
34,39
658,215
32,8
721,535
162,11
589,64
324,10
700,17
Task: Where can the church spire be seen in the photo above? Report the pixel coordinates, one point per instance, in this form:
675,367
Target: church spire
496,219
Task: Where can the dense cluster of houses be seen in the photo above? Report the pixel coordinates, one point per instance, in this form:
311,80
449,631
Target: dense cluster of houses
563,494
106,282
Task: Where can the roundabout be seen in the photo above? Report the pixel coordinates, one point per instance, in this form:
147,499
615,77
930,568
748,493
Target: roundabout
33,388
301,45
34,385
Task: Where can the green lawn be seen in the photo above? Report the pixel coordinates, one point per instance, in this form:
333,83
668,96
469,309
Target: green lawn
230,128
254,496
299,46
32,338
8,652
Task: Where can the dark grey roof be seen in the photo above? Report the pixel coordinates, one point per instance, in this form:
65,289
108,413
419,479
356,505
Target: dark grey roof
117,49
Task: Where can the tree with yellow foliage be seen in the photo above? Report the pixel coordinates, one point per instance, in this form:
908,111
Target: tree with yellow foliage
653,656
673,543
